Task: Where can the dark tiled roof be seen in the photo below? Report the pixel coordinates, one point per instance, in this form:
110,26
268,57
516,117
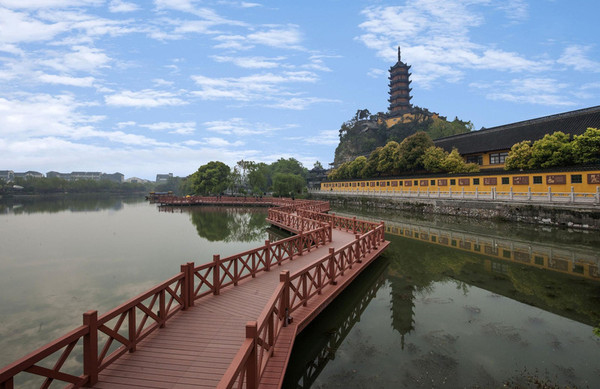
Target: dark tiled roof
503,137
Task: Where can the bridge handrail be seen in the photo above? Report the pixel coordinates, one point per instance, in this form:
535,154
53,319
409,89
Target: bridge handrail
169,297
293,292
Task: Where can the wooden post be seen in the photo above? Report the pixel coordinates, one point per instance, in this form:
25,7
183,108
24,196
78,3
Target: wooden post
267,255
354,225
8,384
132,327
217,274
332,266
191,277
90,348
252,364
162,313
357,253
284,277
301,241
185,295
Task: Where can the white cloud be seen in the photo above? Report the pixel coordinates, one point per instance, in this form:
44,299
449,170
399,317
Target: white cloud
435,36
66,80
122,6
240,127
301,103
538,91
37,4
146,98
20,27
80,58
251,62
250,5
185,128
286,37
575,56
376,73
220,142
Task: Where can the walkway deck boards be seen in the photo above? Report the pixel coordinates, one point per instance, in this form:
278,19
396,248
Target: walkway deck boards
196,347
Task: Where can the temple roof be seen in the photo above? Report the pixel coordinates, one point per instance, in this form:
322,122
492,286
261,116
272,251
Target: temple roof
505,136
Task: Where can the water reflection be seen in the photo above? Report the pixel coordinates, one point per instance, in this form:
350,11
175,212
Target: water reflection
225,224
60,203
468,305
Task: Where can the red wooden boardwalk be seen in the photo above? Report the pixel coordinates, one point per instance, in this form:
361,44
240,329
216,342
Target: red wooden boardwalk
224,323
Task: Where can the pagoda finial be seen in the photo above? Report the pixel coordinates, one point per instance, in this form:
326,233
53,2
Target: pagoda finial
399,58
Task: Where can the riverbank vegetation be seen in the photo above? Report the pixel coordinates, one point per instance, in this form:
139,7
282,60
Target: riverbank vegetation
284,177
413,154
54,185
556,149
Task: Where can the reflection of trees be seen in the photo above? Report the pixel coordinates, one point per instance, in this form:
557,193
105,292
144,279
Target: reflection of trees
420,264
60,203
228,224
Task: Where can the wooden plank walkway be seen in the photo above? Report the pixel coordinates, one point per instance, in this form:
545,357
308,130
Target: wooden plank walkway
196,347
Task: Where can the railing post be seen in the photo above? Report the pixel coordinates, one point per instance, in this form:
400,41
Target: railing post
332,266
284,277
185,285
267,255
191,277
382,231
357,253
301,245
528,193
90,348
252,364
572,195
476,193
132,327
550,194
8,384
598,195
511,193
354,225
162,313
217,274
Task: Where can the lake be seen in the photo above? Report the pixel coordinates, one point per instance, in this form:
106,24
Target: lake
452,303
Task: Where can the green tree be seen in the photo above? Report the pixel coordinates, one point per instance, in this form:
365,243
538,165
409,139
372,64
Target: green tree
355,168
212,178
370,167
318,165
412,150
290,165
259,177
552,150
285,184
519,156
586,147
433,159
389,159
455,163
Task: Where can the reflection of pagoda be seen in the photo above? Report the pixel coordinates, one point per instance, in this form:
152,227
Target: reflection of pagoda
403,306
399,88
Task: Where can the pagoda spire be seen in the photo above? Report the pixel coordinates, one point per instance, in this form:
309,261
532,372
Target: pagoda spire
399,57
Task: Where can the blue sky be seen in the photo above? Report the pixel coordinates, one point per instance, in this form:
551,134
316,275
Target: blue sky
147,87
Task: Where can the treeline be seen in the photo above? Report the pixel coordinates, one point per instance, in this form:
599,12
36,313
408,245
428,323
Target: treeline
415,153
44,185
557,149
365,132
285,177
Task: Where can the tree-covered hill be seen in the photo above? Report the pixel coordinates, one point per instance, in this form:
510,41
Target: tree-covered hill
363,133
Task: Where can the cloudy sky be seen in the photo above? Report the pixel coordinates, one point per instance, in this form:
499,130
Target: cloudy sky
147,87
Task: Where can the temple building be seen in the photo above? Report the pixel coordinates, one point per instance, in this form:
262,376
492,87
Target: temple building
399,88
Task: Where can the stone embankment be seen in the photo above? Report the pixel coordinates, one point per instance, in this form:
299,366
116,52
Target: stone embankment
569,215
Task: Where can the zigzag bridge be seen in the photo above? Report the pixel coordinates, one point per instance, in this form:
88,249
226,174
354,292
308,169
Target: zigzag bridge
227,323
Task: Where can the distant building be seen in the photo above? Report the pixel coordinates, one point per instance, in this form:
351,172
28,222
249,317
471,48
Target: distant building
315,177
7,175
163,178
136,180
115,177
29,174
489,147
96,176
63,176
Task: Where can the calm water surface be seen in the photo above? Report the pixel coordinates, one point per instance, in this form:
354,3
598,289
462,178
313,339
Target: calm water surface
60,258
452,303
487,305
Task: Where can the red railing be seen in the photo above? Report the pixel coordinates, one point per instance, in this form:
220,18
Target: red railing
102,340
293,292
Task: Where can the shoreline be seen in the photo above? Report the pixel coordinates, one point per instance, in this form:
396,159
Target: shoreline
562,215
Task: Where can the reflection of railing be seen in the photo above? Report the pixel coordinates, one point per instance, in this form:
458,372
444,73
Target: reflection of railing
571,197
351,314
121,329
293,292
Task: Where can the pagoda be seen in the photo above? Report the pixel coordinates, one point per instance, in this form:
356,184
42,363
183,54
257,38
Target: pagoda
399,89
